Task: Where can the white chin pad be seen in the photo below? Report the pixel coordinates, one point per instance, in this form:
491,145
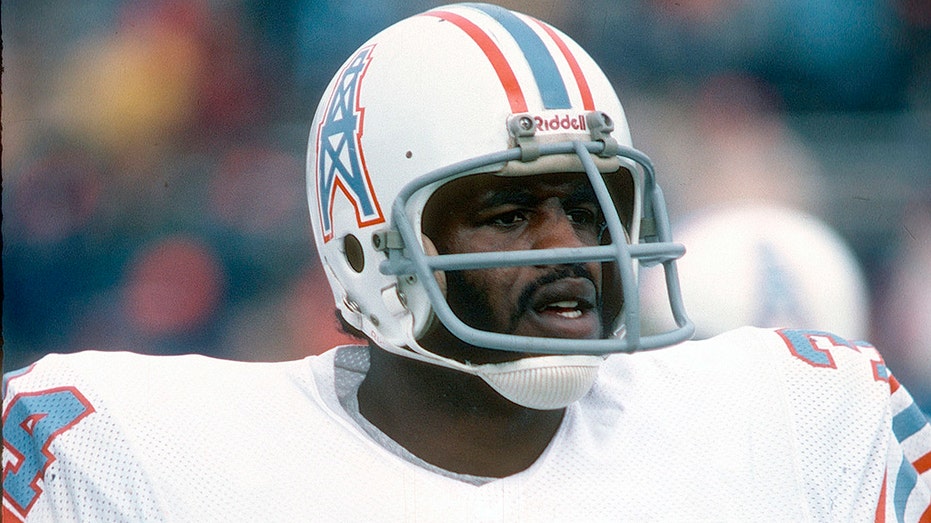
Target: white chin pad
536,382
543,382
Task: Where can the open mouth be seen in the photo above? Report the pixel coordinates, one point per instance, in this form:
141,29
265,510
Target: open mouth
569,297
565,309
569,309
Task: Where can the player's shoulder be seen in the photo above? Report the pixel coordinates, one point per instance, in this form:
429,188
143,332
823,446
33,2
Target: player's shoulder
817,352
784,354
799,357
123,372
59,369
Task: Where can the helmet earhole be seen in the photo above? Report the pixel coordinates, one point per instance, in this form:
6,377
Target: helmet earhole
353,251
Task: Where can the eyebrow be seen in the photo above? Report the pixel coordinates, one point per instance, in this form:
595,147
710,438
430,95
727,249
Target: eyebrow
582,192
521,195
510,195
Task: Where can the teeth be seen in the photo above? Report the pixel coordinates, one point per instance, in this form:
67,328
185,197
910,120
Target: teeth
569,304
567,309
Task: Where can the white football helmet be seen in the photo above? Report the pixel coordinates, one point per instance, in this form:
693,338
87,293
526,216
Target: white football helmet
455,91
765,265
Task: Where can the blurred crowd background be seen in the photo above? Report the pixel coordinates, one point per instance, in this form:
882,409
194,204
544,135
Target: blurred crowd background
153,154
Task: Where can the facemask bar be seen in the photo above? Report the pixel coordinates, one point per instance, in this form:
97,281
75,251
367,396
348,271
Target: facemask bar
410,259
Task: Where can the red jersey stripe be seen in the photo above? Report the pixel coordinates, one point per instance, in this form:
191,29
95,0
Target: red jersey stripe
925,516
881,505
923,464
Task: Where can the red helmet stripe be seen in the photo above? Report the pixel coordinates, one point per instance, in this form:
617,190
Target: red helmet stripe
495,56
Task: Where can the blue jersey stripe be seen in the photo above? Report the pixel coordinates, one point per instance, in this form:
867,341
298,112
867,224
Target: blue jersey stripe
549,82
904,484
908,422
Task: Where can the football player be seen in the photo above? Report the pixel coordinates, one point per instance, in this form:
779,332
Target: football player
763,264
481,215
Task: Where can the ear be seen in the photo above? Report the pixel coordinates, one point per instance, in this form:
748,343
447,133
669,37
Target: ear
430,249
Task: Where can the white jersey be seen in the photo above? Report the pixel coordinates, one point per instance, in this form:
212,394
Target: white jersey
751,425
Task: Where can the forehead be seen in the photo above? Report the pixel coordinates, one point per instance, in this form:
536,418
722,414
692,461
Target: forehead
487,190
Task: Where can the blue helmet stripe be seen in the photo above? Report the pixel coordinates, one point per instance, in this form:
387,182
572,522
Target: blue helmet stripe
549,81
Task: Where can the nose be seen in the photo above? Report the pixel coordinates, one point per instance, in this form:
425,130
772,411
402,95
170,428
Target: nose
555,230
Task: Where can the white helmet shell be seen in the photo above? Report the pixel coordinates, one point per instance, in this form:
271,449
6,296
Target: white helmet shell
428,94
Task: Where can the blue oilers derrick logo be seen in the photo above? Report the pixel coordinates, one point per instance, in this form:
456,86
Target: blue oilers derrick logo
340,159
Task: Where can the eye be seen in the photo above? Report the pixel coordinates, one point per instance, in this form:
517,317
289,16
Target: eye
583,217
508,219
588,221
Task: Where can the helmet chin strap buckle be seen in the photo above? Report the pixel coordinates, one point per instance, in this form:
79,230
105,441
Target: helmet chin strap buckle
601,126
522,127
387,240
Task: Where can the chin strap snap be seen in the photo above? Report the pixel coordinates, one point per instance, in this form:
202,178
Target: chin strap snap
523,129
601,126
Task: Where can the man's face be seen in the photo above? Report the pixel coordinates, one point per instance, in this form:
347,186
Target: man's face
485,213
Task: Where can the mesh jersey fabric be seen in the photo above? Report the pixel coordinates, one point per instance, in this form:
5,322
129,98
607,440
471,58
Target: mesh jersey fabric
350,368
751,425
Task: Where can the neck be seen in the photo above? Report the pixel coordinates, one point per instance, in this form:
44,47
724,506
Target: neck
451,419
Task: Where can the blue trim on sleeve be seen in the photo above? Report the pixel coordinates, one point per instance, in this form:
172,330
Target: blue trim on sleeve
904,484
908,422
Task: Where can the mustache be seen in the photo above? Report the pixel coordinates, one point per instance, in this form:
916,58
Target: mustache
575,270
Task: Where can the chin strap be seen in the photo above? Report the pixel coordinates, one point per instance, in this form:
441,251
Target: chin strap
538,382
543,382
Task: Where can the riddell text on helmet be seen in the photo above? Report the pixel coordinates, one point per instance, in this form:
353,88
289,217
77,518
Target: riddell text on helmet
560,122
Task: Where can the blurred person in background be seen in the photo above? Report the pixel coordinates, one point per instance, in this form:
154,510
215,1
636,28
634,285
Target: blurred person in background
149,179
904,304
764,265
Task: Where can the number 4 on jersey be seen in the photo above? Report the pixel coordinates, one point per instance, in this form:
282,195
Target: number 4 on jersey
31,423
